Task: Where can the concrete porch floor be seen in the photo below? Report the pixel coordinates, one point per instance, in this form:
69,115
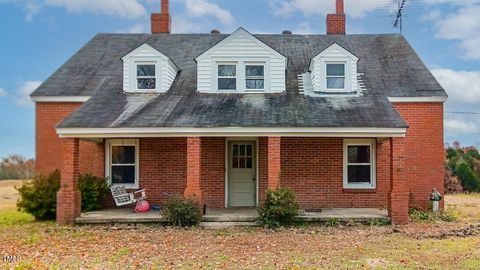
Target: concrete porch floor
230,215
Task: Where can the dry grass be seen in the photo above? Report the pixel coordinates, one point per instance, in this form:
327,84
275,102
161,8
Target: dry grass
8,193
467,205
44,245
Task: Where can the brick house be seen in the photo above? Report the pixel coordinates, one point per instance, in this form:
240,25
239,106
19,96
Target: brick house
346,121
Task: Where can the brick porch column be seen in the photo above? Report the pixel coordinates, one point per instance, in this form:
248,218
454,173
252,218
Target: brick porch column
274,170
399,194
194,163
68,197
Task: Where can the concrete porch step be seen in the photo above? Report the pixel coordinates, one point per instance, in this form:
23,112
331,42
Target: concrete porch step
225,225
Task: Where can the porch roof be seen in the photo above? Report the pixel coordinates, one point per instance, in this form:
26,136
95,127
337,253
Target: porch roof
230,132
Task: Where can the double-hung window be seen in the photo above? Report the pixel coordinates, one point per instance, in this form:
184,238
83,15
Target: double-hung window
227,77
359,164
255,77
336,76
122,164
146,77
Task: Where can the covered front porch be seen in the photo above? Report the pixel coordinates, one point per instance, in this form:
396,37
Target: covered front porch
226,172
240,216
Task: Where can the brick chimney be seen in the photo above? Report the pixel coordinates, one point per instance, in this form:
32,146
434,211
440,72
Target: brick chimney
336,22
162,22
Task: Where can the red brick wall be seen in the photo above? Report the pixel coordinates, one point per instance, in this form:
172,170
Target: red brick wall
313,168
424,150
163,167
213,172
262,168
48,157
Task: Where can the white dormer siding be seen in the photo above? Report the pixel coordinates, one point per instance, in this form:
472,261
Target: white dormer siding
145,55
335,56
242,50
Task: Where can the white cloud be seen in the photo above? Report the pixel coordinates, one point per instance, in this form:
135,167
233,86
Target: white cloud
353,8
134,29
463,87
452,2
182,25
32,8
122,8
2,92
201,8
24,89
461,25
131,9
460,126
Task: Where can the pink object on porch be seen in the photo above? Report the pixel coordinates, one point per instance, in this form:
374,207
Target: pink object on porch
142,207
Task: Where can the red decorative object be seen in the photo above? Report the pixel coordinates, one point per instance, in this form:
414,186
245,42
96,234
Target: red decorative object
142,207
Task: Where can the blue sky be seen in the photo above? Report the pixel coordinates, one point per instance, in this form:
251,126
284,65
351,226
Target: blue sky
38,36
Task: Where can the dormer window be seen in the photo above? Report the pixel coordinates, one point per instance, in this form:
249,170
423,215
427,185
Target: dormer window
336,76
332,71
239,64
255,77
227,77
146,76
146,70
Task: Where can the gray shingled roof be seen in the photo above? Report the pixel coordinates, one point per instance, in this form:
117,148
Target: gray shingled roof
390,67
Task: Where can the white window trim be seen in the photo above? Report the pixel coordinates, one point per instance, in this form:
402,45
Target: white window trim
348,80
263,64
241,70
140,63
157,76
108,159
373,156
344,77
227,77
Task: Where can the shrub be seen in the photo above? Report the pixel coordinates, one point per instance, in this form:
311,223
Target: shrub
452,183
332,222
427,216
39,196
182,212
91,188
280,207
378,222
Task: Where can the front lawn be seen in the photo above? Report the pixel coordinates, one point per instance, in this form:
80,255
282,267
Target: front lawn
42,245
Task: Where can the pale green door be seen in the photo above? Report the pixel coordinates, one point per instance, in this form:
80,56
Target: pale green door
242,168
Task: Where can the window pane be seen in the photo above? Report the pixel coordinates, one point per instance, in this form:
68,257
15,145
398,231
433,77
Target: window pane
335,69
359,154
255,84
336,83
242,150
257,71
227,70
123,174
235,149
249,150
146,70
227,84
249,162
359,174
123,154
146,83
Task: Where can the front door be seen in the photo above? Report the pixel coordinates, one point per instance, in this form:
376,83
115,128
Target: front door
242,174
